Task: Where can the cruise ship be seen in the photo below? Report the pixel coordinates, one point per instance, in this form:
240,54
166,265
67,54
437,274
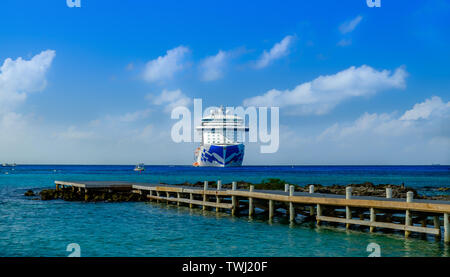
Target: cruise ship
222,136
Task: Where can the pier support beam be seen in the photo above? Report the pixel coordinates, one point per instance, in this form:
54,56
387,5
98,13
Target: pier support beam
219,187
291,205
191,197
205,188
86,195
233,199
178,199
372,219
311,209
408,217
319,213
437,225
270,210
348,212
158,195
251,208
446,229
150,193
286,187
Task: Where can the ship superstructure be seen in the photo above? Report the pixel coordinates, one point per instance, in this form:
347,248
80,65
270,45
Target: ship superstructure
222,144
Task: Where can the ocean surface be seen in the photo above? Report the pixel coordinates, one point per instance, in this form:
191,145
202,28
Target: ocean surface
45,228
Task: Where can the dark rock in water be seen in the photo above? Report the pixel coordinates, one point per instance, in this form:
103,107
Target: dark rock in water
94,196
29,193
48,194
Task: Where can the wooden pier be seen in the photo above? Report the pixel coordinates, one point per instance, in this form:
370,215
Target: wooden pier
407,215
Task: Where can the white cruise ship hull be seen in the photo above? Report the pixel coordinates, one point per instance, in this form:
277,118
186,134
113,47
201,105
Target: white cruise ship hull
220,155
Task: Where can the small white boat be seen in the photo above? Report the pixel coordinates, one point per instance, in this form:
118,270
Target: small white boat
139,167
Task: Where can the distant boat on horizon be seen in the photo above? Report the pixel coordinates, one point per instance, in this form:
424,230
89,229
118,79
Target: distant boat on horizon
139,167
9,165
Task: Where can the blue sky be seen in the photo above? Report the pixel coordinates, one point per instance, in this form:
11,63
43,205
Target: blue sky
84,85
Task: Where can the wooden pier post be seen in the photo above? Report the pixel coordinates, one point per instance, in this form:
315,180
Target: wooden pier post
291,205
251,209
86,195
270,210
205,188
372,219
408,217
437,225
219,187
191,197
348,212
286,187
388,192
446,229
233,199
158,195
57,187
311,209
178,199
150,193
319,213
167,197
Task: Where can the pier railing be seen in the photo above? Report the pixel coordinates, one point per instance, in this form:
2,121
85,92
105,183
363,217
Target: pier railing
408,215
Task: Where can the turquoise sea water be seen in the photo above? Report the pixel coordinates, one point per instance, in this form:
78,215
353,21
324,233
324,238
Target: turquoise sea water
45,228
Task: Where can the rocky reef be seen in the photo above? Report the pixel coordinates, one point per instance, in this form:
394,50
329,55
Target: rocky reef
68,194
363,189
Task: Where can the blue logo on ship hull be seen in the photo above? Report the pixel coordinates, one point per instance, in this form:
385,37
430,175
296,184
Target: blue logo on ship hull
221,155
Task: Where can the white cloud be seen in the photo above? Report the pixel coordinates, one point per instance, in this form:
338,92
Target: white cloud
433,113
325,92
427,109
376,124
72,133
20,77
212,67
279,50
349,26
164,67
170,99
